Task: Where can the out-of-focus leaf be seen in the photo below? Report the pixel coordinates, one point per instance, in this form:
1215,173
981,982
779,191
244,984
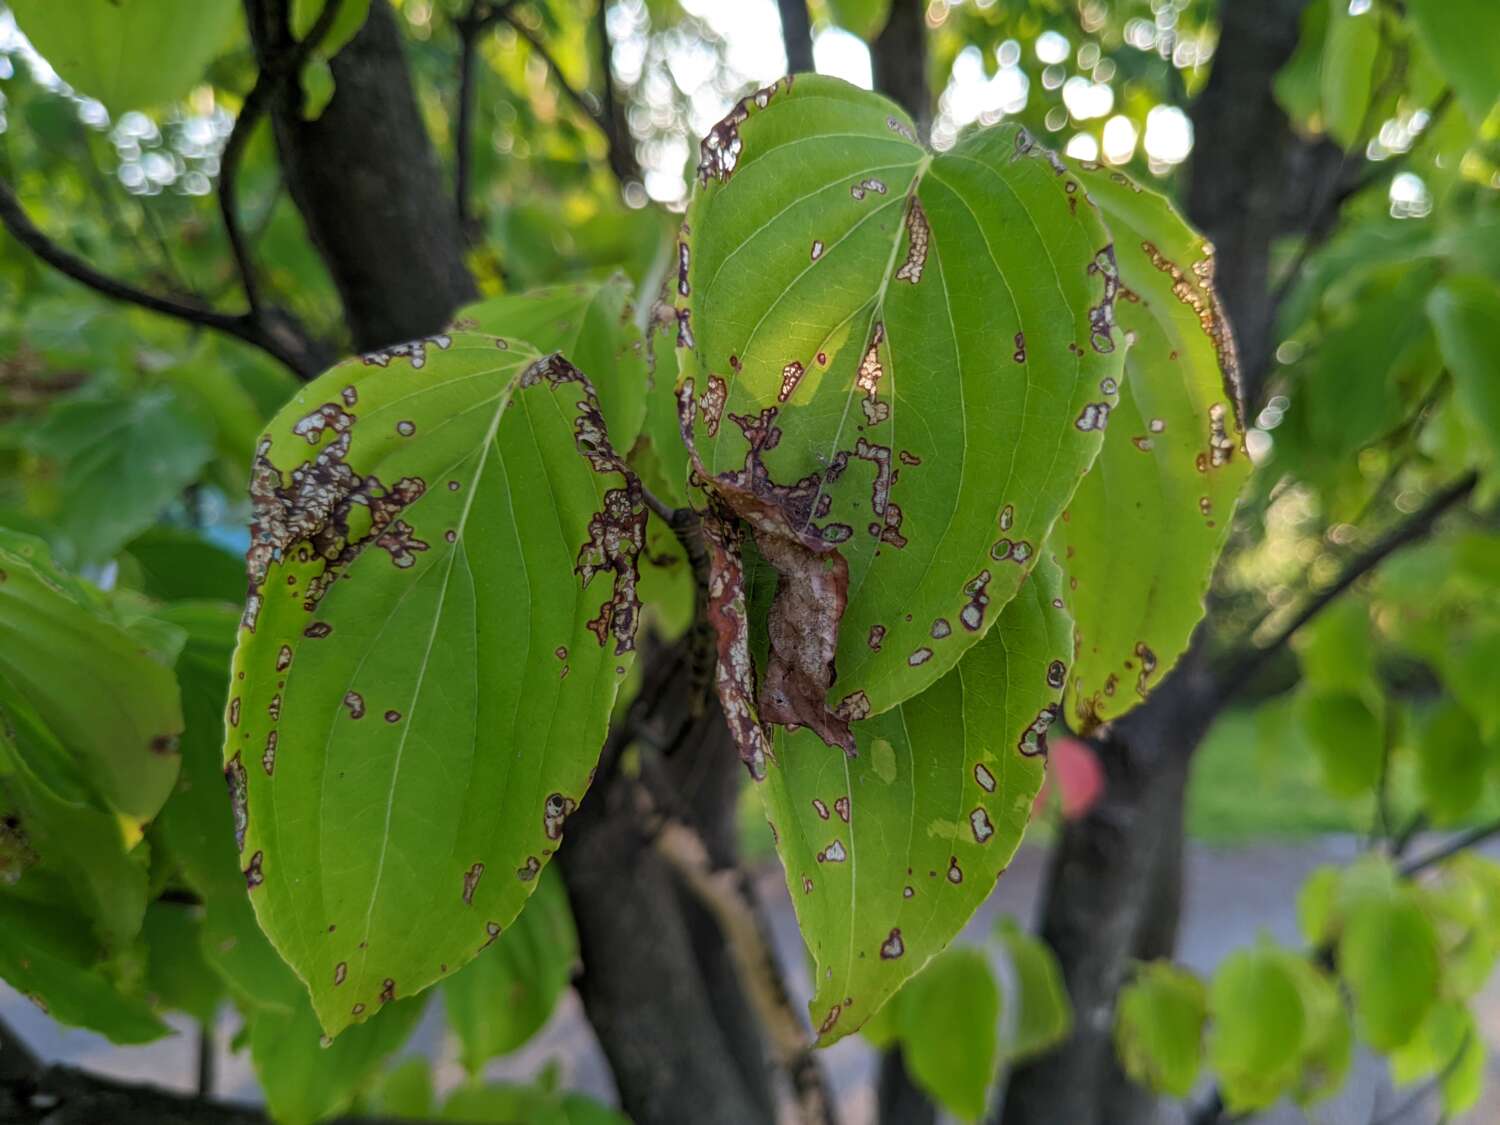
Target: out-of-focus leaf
1336,650
176,973
1349,739
947,1016
535,1105
1140,537
1389,956
177,564
130,54
1159,1024
346,22
1461,34
888,853
48,956
124,456
403,1091
865,18
1328,1036
502,998
1449,1044
113,707
1453,762
1259,1026
1044,1014
1465,313
1351,48
307,1078
1298,83
443,608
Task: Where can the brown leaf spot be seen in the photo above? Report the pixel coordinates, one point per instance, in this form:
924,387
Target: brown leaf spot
820,808
984,778
1033,740
842,807
340,972
833,853
877,637
893,946
920,657
471,882
356,704
253,875
393,716
268,758
529,871
239,799
955,872
1057,674
555,810
979,824
917,234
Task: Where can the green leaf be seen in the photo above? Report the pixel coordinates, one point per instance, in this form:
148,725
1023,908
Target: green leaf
1465,314
1468,667
346,22
1350,50
947,1016
112,706
1162,493
1159,1023
500,1000
403,1091
48,956
130,54
1348,737
442,608
1453,762
304,1083
888,853
899,364
865,18
1328,1037
1044,1015
1336,650
196,826
64,829
1317,900
179,565
1259,1026
1462,34
535,1105
590,323
1389,956
1298,84
1449,1044
176,973
123,458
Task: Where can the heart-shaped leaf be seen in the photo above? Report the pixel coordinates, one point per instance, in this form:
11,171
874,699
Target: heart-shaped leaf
441,609
901,365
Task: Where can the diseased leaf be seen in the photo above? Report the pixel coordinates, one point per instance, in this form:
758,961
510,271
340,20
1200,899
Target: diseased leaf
1140,537
130,54
900,364
1159,1024
1462,34
502,999
442,606
888,853
112,707
590,323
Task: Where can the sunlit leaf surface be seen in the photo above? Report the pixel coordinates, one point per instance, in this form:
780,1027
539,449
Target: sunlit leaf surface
441,608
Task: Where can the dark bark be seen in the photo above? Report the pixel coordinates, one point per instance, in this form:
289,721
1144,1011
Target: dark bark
898,58
366,180
668,1012
902,1101
796,35
1252,178
1102,888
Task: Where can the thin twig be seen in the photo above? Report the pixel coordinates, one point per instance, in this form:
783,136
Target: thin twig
480,17
1410,530
1460,843
268,83
207,1048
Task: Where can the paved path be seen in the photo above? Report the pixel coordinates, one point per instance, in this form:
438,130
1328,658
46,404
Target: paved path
1230,895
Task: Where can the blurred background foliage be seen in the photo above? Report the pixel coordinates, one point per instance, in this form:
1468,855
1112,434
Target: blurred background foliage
125,435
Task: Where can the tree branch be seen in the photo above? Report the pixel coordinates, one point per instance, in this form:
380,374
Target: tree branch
257,102
480,17
622,162
1462,842
1410,530
796,35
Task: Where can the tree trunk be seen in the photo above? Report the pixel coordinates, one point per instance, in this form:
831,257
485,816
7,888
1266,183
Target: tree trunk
796,35
1102,887
657,984
367,182
898,58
